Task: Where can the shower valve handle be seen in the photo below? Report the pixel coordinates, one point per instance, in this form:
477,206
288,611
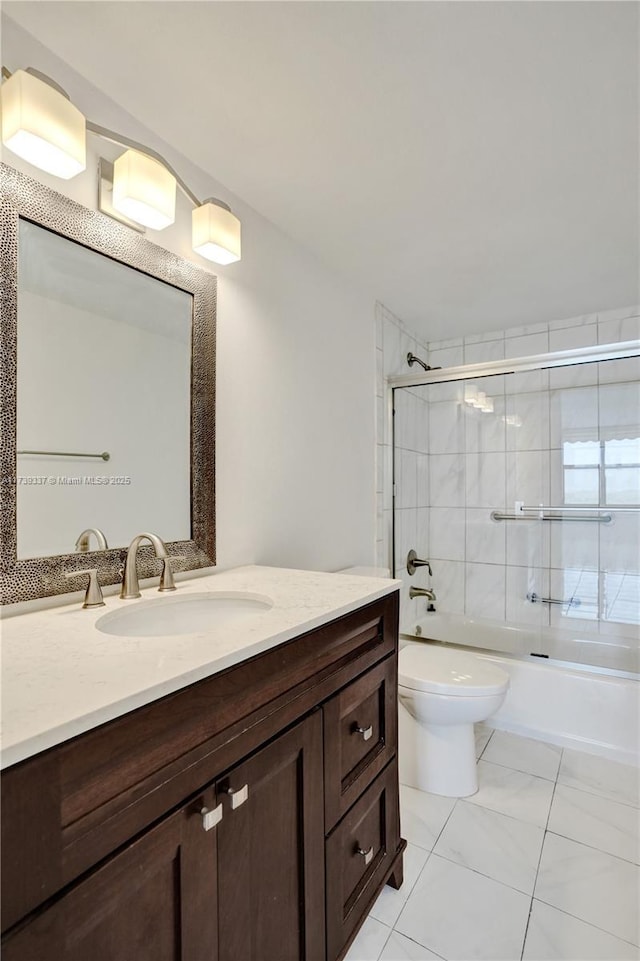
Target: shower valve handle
413,562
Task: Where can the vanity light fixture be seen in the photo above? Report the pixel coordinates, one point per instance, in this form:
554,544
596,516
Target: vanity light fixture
41,125
215,232
144,190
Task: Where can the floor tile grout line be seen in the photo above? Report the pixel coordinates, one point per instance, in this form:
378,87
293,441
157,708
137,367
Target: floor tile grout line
419,943
559,765
604,797
526,928
545,829
454,806
544,838
393,926
596,927
417,845
590,923
592,847
458,864
535,880
493,731
512,817
507,767
427,794
519,770
410,890
485,807
381,951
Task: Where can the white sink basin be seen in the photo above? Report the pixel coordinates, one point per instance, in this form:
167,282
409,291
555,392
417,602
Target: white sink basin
187,614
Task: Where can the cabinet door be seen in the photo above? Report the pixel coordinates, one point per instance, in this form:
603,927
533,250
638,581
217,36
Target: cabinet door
271,852
155,901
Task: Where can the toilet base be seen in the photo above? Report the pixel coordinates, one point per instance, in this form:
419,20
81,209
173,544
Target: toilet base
443,759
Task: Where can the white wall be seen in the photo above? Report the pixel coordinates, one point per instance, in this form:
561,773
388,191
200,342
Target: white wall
295,365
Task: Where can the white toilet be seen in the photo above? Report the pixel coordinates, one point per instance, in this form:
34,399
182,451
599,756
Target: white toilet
446,692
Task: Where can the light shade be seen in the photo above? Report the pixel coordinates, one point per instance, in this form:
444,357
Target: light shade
144,190
215,233
42,126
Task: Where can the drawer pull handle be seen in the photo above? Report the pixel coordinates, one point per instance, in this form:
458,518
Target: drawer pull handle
366,732
237,796
211,818
367,855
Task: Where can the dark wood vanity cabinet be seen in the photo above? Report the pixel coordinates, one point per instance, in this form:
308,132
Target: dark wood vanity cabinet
155,899
270,853
261,830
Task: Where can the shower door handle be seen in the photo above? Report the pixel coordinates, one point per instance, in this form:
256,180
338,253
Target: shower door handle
536,599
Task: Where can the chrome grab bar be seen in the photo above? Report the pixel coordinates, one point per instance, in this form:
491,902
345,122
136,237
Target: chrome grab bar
536,599
105,455
598,518
594,510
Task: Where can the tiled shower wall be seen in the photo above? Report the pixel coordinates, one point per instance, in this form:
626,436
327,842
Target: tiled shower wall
454,464
394,340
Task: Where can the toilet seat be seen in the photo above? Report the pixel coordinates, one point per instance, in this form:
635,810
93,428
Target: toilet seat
435,670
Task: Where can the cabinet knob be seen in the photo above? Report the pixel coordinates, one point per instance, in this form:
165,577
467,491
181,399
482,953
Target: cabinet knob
364,732
211,818
237,796
367,855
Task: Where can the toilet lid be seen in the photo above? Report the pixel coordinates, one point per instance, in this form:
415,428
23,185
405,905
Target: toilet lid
438,671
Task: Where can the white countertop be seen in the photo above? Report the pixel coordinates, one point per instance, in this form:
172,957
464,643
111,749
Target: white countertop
61,676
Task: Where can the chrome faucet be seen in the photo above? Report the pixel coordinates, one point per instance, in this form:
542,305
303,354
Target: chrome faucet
422,592
83,543
130,586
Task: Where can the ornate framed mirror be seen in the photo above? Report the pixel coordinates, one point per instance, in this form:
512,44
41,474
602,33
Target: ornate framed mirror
107,371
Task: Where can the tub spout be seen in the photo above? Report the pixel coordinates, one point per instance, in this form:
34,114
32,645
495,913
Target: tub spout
422,592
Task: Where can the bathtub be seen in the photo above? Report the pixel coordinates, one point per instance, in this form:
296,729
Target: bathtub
604,652
587,706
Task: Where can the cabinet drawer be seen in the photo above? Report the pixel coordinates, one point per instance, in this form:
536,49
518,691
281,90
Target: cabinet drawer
360,725
359,854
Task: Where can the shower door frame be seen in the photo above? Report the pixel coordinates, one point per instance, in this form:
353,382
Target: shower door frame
515,365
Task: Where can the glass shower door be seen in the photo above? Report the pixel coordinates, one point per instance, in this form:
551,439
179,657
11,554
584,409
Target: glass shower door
523,492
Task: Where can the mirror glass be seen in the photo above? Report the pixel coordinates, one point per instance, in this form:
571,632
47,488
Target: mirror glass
103,368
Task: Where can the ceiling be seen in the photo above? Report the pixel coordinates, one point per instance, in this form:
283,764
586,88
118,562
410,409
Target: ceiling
473,165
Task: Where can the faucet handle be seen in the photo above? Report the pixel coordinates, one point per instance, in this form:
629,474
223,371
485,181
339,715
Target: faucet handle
413,561
93,596
167,582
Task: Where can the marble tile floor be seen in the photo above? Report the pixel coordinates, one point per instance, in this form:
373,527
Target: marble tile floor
542,864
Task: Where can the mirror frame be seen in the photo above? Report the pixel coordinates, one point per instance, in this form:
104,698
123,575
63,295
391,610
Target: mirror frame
22,197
